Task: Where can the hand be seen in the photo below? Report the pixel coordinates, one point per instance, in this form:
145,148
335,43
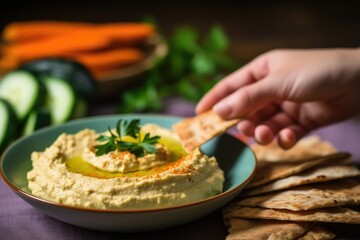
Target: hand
289,93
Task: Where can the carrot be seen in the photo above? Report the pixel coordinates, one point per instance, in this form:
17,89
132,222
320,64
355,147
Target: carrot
94,45
95,61
112,59
55,46
126,32
35,30
7,64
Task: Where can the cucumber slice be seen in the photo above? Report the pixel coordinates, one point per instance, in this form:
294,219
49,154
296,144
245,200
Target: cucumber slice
81,108
8,124
61,99
22,90
36,120
75,73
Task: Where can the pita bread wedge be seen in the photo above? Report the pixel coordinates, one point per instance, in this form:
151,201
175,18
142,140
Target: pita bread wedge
270,171
306,149
232,206
331,194
197,130
334,214
265,229
320,174
318,233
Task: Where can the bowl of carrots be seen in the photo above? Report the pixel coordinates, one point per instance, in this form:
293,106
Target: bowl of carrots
115,53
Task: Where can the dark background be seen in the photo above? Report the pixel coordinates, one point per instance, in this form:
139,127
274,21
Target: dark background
254,26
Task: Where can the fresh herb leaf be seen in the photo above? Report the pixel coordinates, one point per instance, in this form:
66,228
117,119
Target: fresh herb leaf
143,98
149,142
132,129
216,40
195,62
185,38
116,142
202,64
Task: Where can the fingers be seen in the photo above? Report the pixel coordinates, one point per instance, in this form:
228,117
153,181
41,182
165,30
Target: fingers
247,126
287,130
246,100
266,130
289,136
250,73
286,138
224,88
263,134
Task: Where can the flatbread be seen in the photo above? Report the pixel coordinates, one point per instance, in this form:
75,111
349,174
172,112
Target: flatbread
265,229
197,130
331,194
318,233
306,149
321,174
334,215
270,171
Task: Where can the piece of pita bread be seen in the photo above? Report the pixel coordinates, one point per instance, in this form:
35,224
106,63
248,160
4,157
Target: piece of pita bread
306,149
317,233
270,171
331,194
197,130
334,214
245,229
229,208
321,174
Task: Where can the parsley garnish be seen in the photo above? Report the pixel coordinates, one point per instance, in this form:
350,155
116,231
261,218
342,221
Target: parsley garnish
115,140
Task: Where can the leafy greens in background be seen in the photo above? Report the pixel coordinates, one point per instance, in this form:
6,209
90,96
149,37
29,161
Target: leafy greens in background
190,69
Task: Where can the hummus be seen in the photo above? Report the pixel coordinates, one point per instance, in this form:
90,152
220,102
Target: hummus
69,172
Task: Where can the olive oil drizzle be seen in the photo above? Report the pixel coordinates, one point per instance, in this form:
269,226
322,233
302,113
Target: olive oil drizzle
78,165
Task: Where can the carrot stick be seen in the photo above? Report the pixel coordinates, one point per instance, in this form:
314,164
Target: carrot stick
91,44
95,61
8,64
126,32
109,59
35,30
55,46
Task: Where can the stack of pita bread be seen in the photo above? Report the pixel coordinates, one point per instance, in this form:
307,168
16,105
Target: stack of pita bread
294,191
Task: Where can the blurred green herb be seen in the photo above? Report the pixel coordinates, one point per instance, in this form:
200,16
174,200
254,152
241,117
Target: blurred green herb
190,69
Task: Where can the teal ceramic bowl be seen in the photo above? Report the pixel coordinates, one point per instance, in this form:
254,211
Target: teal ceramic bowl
235,158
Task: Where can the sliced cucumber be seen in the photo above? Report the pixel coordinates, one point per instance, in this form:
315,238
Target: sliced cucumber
8,124
61,99
81,108
22,90
36,120
75,73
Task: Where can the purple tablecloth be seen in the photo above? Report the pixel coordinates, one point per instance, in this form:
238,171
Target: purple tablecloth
18,220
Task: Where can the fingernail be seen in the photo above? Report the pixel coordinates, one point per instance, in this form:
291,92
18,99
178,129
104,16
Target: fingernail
223,109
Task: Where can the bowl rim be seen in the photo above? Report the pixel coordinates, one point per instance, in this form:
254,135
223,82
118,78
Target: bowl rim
21,192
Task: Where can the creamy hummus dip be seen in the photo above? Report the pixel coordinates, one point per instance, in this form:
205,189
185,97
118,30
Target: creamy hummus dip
69,172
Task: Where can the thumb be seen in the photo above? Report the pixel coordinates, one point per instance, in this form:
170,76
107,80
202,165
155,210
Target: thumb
247,99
